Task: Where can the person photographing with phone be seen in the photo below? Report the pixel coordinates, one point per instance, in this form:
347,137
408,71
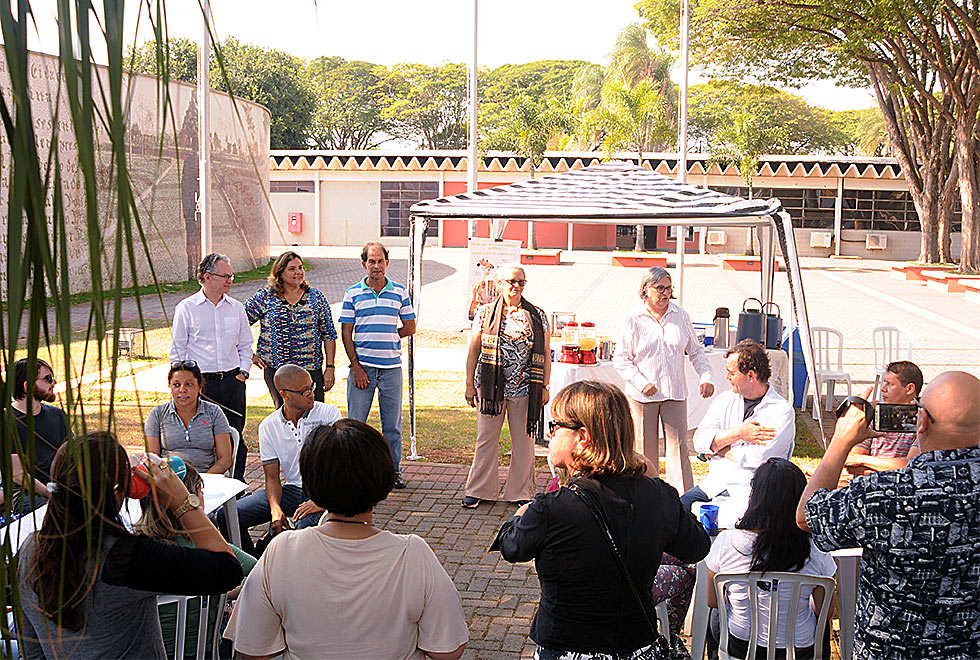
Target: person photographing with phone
900,386
917,526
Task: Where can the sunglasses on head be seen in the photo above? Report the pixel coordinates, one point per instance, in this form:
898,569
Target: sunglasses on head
183,364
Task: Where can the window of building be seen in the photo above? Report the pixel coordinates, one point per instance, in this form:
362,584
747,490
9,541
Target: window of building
291,186
397,198
879,210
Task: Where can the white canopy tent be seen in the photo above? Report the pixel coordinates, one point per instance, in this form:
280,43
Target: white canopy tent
620,193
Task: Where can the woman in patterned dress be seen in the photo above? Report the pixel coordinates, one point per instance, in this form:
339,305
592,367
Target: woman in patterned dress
507,371
294,321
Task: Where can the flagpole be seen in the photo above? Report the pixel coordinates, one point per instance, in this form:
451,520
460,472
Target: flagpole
682,142
472,164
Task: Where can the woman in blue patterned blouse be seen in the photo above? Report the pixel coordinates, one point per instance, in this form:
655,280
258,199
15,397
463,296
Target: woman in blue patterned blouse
295,321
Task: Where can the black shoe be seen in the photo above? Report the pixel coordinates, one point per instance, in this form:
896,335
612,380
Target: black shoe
399,482
470,502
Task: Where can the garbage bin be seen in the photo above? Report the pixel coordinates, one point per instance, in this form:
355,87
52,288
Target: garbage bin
799,366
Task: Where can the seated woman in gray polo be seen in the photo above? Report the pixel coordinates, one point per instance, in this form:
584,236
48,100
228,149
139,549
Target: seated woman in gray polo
195,429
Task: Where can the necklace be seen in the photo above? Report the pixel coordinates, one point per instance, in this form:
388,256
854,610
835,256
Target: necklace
348,522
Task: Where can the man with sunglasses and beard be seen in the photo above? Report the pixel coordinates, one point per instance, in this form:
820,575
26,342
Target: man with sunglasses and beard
35,448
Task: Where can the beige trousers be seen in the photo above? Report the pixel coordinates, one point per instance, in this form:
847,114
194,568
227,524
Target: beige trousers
646,422
483,481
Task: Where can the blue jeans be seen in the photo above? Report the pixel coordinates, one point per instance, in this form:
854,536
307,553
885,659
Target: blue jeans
692,496
388,382
254,510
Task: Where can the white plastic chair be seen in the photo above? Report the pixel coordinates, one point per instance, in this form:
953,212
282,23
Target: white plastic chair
887,341
202,623
768,583
828,353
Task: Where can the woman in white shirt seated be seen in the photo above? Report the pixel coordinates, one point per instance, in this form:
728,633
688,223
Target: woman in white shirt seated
346,589
767,539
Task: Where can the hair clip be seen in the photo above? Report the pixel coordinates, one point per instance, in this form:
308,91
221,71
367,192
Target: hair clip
52,487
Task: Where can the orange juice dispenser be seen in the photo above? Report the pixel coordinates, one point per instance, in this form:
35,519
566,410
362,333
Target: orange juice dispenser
570,351
587,342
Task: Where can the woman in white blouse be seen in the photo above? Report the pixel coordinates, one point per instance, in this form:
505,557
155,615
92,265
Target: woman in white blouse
650,358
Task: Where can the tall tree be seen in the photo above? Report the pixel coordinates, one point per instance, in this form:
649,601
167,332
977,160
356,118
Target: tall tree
351,99
274,79
919,57
431,110
268,77
802,127
631,119
542,82
527,129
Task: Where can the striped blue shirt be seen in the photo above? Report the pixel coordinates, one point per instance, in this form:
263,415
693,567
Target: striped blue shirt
375,320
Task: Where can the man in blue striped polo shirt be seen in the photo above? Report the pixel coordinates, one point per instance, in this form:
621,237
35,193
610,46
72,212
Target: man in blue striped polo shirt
372,338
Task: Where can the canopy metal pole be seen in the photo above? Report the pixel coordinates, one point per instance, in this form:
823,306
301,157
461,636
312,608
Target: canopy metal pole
416,237
682,142
472,160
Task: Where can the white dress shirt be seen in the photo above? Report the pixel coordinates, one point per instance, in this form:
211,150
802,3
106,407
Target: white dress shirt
652,351
217,337
280,441
738,465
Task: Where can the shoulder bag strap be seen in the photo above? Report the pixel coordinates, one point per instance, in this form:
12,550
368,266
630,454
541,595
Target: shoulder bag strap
600,518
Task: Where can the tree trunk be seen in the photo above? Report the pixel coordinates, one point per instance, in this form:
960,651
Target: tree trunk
944,214
532,226
966,160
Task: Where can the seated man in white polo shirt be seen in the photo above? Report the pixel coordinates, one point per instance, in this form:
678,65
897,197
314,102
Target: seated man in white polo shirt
281,437
743,428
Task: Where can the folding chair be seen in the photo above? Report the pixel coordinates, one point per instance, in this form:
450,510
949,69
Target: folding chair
887,341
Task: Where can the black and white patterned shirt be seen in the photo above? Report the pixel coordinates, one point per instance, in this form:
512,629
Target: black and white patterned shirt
919,527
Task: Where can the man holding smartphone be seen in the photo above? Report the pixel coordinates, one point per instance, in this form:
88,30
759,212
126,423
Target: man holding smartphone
901,385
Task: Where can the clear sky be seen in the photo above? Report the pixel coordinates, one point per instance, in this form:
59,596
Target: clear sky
426,31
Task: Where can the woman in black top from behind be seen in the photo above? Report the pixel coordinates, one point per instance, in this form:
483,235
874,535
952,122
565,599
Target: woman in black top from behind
88,587
586,606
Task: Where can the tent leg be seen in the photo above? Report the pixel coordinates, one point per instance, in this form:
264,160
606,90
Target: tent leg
416,237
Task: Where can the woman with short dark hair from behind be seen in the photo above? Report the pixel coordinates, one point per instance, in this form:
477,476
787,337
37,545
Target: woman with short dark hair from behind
767,539
88,587
361,592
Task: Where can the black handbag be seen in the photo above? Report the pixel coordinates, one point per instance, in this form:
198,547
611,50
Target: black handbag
669,650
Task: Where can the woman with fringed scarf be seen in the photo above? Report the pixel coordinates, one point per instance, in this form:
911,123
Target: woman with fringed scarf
508,368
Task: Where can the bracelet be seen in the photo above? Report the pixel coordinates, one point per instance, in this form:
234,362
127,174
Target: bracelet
328,366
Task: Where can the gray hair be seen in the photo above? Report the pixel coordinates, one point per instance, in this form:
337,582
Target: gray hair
651,277
507,267
208,263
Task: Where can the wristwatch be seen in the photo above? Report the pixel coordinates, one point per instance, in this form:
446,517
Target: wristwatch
192,502
244,372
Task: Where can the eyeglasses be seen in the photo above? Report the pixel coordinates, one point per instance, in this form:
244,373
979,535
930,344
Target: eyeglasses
516,282
49,379
230,278
554,425
184,364
664,289
918,404
306,391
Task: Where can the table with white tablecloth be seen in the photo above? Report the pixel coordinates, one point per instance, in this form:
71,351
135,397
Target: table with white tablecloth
563,374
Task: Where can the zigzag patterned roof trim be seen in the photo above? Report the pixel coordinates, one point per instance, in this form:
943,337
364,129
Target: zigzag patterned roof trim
556,162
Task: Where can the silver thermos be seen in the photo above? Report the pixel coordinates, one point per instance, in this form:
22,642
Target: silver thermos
721,327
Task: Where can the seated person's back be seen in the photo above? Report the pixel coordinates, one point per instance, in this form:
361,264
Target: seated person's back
767,539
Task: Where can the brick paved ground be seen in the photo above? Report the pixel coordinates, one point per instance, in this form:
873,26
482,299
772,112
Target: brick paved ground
499,598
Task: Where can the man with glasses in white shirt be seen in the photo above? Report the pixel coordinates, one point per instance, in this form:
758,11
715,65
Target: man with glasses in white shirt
212,329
